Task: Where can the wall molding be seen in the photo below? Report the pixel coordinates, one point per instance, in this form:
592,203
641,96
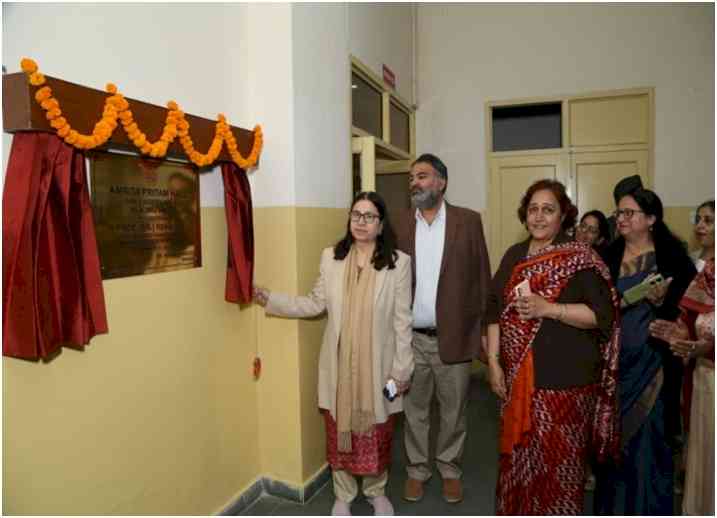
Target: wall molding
268,486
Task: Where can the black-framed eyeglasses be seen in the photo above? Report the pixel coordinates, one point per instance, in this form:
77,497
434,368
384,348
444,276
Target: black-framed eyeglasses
628,213
368,217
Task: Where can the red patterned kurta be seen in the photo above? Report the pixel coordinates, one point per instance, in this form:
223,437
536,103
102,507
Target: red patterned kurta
546,433
370,452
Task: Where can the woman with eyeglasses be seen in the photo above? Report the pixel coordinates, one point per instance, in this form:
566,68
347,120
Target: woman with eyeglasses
594,230
364,286
649,377
552,348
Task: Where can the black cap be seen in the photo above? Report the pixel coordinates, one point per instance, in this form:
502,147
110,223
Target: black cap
626,186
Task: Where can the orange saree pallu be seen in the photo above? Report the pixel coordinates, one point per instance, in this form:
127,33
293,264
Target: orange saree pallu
547,435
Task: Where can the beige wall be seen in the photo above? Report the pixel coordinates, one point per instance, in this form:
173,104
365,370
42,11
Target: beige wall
156,417
468,54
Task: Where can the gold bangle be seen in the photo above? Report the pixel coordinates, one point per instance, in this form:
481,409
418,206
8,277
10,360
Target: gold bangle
562,311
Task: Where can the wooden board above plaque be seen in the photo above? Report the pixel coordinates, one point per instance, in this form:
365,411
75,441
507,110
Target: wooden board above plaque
82,106
146,214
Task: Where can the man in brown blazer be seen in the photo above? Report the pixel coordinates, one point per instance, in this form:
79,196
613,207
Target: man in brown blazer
451,277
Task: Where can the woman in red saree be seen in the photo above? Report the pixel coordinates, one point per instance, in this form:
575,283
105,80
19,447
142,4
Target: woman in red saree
553,348
692,338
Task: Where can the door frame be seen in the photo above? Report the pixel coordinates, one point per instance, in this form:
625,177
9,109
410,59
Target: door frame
566,148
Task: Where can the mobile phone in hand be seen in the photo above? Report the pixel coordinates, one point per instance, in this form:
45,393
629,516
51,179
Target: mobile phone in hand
640,291
522,289
390,391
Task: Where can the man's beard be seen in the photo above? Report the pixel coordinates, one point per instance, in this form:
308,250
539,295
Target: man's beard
425,199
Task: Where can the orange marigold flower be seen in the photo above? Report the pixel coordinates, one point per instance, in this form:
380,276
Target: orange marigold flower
64,131
72,137
49,104
172,105
43,93
58,122
140,140
28,65
37,79
53,114
111,88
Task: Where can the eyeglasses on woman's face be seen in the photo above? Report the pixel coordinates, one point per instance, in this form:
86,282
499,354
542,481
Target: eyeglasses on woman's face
706,219
626,213
587,229
545,210
367,217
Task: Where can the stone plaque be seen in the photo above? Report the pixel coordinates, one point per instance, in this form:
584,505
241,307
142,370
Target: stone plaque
146,214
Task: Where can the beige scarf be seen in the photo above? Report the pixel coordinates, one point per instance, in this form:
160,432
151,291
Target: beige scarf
354,401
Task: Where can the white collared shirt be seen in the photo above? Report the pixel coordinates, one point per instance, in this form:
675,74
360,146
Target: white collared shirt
429,253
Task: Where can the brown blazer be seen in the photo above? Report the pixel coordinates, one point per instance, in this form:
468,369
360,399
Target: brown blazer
463,284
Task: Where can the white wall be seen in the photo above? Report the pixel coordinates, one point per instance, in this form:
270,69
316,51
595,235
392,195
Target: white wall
211,58
144,49
269,75
283,66
468,54
322,116
383,34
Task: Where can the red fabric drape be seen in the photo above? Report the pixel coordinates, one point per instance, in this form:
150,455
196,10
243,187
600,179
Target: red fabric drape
240,229
52,286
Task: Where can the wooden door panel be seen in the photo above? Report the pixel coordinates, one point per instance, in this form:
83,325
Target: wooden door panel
393,188
510,178
595,176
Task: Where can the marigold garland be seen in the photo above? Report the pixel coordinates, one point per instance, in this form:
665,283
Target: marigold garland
117,108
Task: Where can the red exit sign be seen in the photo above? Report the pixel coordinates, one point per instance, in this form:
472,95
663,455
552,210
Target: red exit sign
389,77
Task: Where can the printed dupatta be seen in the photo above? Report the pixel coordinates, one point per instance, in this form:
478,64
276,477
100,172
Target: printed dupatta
549,270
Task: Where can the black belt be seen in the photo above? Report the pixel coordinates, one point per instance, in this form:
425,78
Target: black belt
428,331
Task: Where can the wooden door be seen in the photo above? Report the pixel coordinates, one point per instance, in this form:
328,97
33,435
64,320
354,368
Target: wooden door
593,176
363,150
510,178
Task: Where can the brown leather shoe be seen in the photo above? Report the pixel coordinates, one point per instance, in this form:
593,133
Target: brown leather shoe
452,490
413,490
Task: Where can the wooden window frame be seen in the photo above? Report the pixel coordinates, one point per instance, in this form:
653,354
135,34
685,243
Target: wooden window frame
388,97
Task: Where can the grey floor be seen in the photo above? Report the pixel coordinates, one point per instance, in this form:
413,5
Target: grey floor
479,478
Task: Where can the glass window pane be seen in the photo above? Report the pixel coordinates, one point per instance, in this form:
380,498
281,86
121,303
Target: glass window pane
400,128
366,106
536,126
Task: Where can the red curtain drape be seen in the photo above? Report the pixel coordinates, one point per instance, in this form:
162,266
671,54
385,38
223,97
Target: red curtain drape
240,227
52,286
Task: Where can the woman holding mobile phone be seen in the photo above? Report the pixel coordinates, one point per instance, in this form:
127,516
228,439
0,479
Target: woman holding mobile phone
552,345
364,286
649,375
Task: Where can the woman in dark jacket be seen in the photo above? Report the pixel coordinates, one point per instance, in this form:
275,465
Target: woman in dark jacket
649,375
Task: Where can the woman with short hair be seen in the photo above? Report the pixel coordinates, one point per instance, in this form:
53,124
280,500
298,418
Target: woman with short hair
552,344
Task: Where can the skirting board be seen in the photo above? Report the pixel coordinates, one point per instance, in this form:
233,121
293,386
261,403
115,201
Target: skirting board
267,486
